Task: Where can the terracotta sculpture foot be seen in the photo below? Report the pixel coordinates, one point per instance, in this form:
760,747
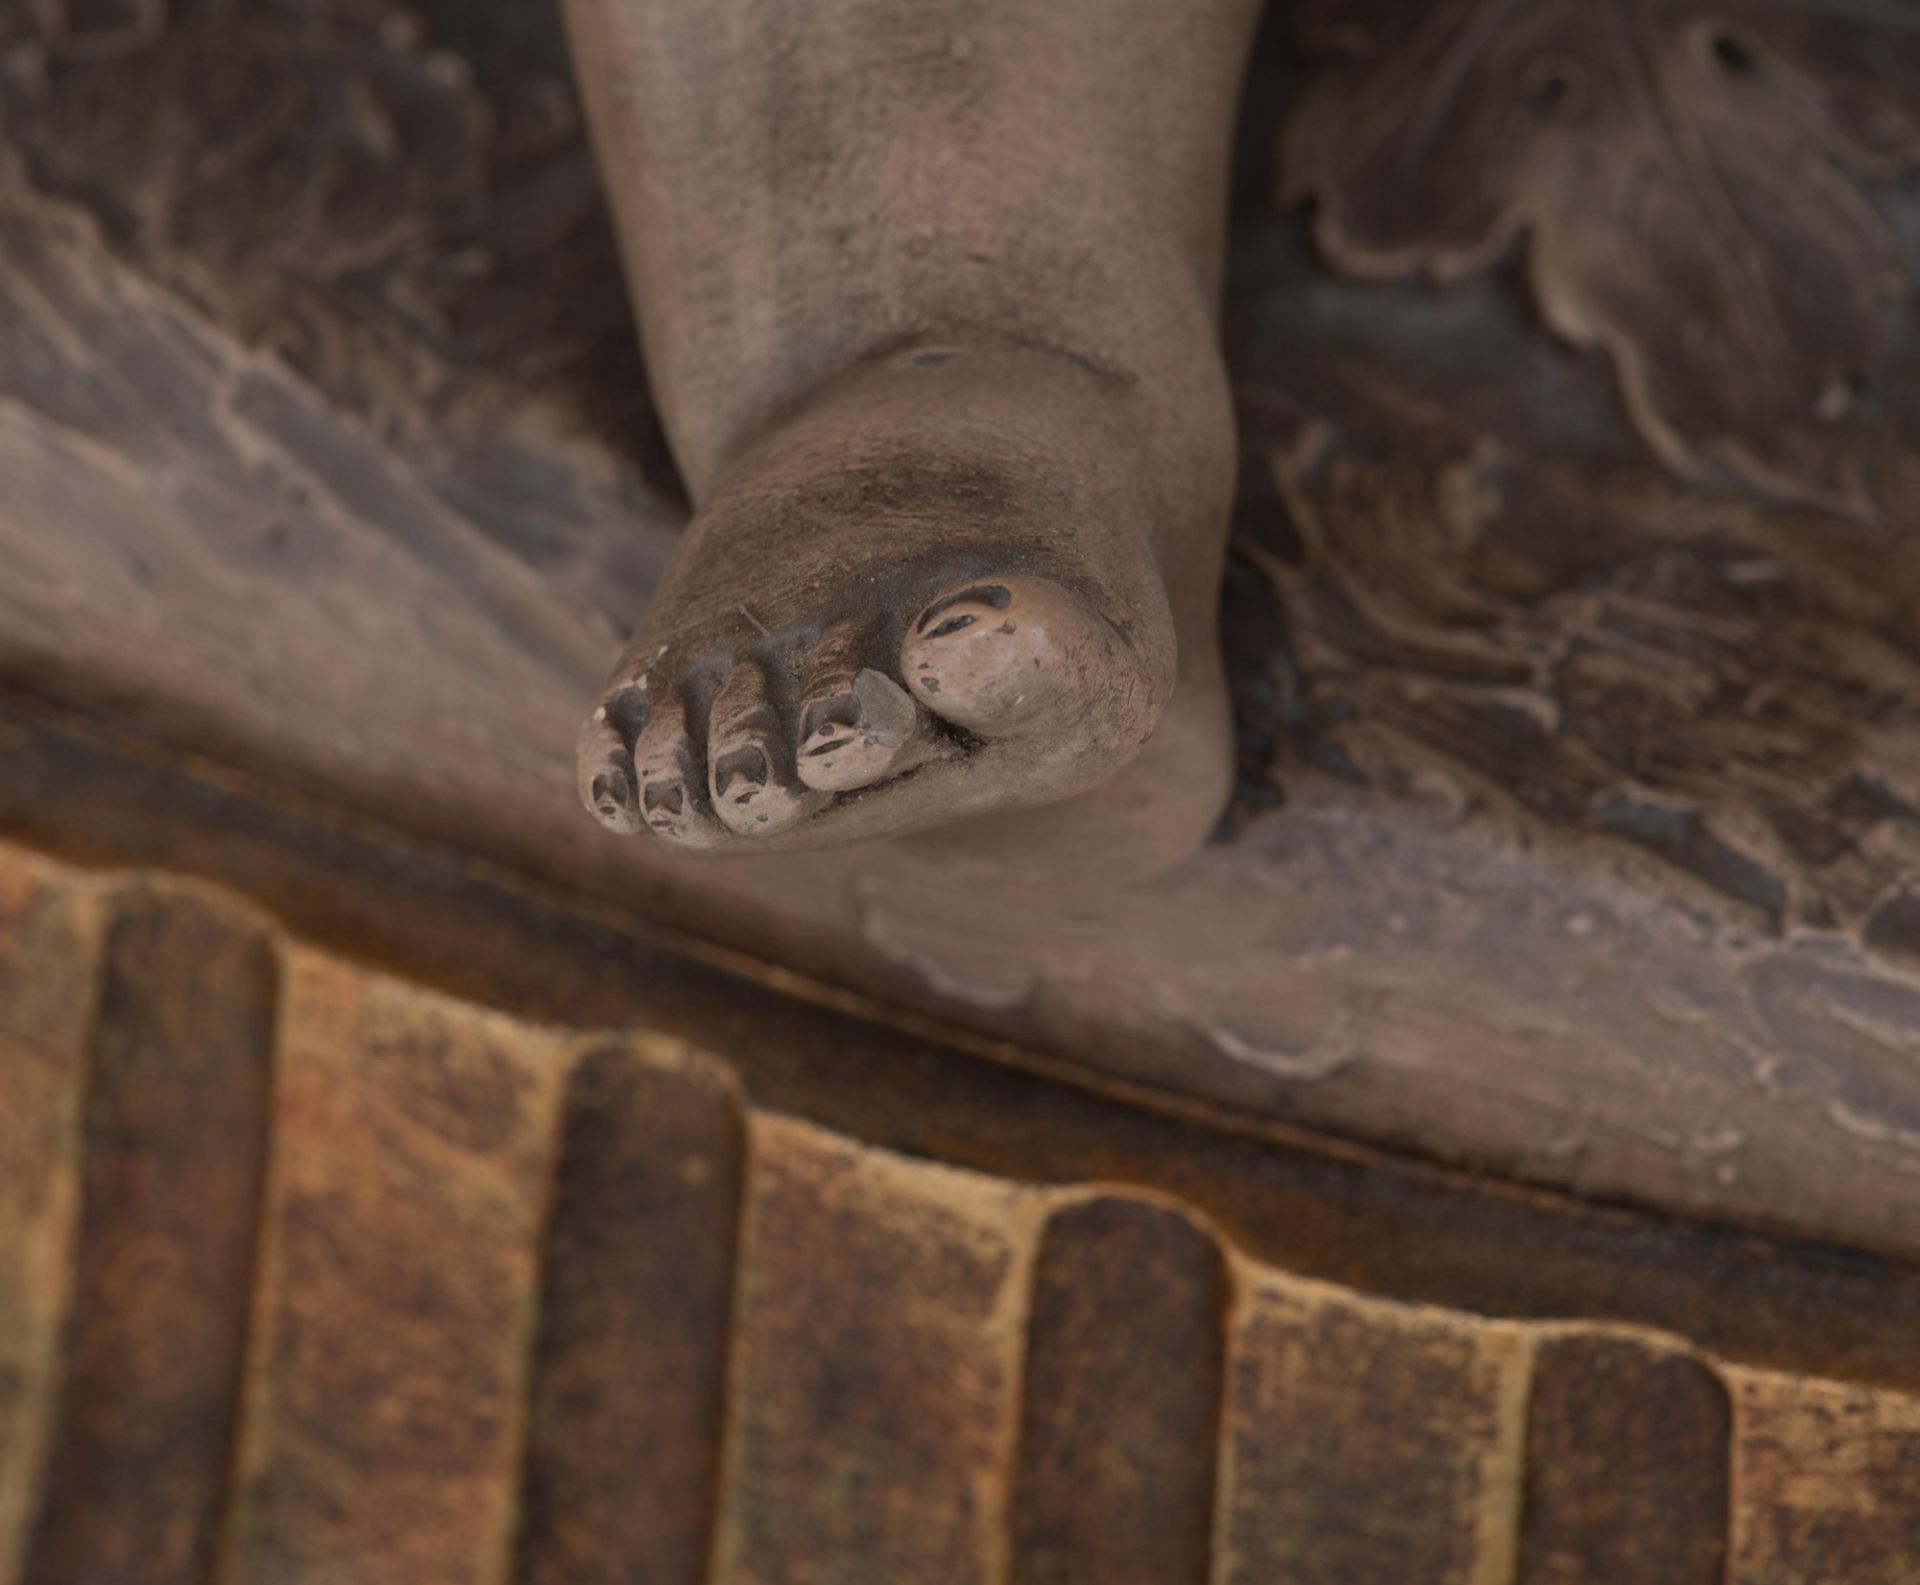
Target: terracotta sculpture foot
933,595
942,379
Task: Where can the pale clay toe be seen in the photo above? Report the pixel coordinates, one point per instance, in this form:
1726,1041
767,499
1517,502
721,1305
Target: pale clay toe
1017,666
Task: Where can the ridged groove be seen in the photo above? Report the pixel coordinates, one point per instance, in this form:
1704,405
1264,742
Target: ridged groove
1114,1483
629,1367
1627,1466
174,1144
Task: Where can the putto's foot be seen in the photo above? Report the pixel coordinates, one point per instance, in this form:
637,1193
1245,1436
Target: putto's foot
933,596
938,361
1010,701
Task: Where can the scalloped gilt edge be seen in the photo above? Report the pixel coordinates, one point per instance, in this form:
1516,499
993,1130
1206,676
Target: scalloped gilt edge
395,1287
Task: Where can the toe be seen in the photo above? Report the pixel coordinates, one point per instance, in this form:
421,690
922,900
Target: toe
603,762
1012,655
856,724
750,772
670,784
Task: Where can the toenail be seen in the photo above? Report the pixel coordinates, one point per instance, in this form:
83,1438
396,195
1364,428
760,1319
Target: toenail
611,793
748,763
831,721
990,594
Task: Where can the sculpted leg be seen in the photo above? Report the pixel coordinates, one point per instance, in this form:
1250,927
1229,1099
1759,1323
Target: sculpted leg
928,300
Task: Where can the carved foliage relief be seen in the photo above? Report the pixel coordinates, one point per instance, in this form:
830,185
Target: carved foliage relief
1600,482
1693,184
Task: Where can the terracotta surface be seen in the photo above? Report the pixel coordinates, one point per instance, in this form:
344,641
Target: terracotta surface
1379,1222
921,1367
171,1158
1576,834
939,361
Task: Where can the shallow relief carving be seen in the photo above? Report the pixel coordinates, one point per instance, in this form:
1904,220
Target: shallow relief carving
1592,478
1467,581
1694,189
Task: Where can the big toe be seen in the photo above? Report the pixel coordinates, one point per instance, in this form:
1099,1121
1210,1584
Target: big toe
1012,656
